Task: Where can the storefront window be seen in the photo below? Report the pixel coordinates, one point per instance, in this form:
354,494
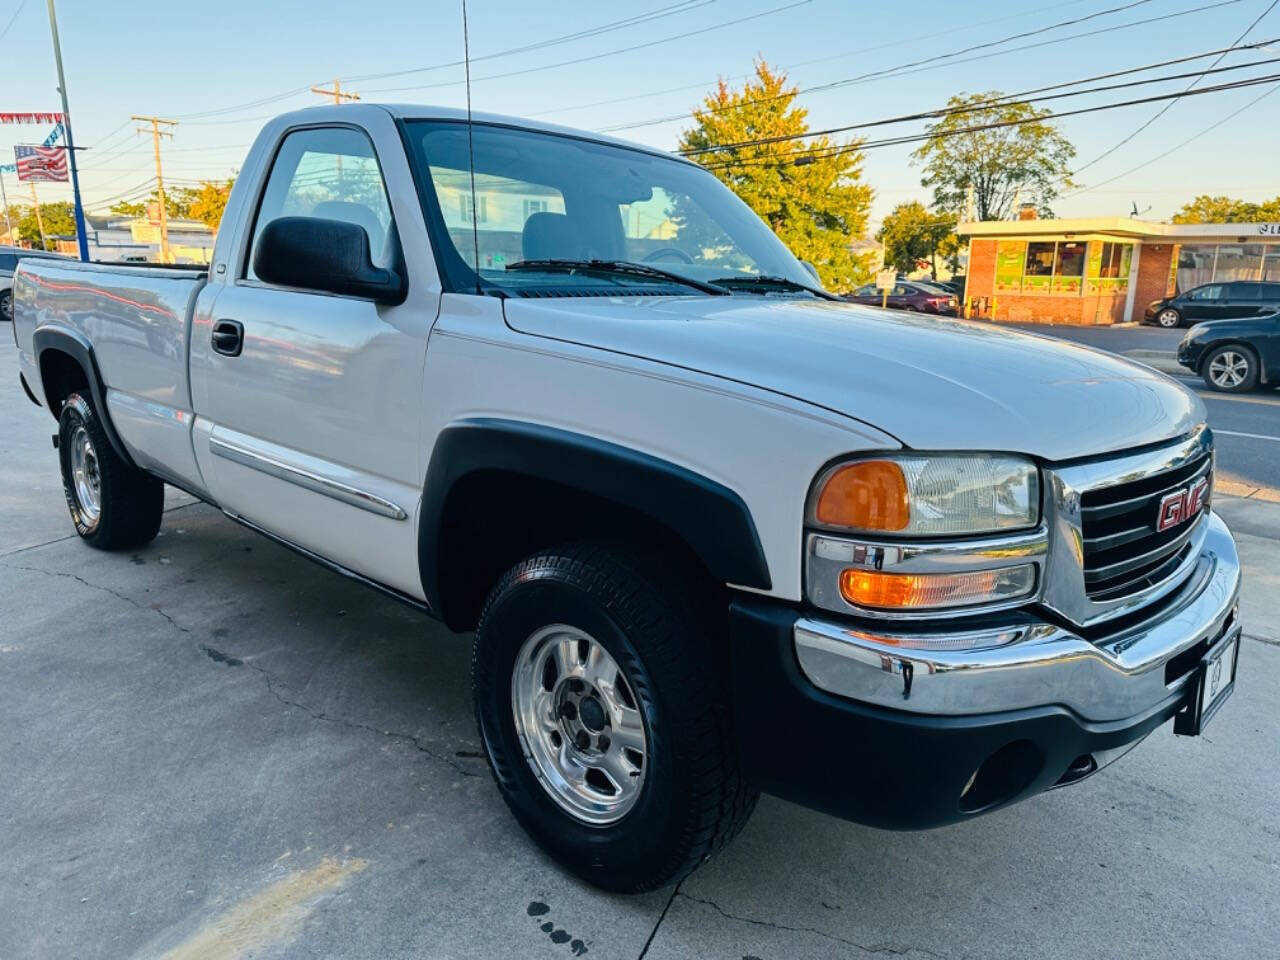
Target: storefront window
1224,262
1038,276
1010,257
1109,267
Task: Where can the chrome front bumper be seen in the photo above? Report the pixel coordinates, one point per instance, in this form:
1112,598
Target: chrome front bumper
1029,662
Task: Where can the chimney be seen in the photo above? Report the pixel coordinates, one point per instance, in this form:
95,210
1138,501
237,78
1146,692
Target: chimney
1028,212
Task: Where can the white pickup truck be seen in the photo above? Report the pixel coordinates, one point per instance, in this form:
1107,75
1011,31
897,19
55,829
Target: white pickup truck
715,530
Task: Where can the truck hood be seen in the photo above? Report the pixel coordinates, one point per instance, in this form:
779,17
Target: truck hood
931,382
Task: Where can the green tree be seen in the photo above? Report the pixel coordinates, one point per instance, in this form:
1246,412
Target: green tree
1224,209
209,201
177,202
59,221
1027,158
911,233
809,190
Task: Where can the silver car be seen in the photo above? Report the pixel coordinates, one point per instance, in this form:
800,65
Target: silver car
9,257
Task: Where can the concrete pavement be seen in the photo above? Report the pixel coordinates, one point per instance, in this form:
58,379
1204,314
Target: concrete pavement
215,748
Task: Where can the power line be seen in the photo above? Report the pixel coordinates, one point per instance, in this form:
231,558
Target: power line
916,38
931,63
610,53
825,152
1164,153
1025,96
684,6
1168,106
12,19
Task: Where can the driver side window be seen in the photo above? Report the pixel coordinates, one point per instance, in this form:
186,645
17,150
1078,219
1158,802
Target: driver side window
329,173
1211,292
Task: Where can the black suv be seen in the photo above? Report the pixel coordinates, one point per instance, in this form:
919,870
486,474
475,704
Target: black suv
1215,301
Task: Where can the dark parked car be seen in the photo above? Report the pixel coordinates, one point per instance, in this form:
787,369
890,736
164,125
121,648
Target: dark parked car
1234,355
9,257
1214,301
908,295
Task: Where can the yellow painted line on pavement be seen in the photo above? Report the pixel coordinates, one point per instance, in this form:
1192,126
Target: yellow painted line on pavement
268,918
1248,491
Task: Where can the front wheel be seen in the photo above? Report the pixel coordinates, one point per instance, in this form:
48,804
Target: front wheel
1169,318
113,505
601,694
6,305
1231,369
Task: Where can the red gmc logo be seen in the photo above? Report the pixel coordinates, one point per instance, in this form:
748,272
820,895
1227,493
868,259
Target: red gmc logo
1181,505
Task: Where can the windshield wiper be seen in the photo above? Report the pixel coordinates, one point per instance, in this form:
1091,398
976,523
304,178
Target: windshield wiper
759,282
624,267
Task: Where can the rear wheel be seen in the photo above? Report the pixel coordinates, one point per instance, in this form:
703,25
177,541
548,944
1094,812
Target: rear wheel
602,700
113,505
1231,369
1169,318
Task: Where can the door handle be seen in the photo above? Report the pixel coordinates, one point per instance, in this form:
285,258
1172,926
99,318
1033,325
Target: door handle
227,338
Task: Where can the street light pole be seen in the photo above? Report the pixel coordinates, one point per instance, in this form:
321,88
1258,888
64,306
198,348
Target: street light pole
81,235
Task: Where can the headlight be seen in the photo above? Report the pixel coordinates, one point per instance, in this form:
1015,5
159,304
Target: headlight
918,495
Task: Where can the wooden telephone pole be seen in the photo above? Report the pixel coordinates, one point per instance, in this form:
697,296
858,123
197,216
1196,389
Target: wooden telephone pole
339,95
35,202
156,134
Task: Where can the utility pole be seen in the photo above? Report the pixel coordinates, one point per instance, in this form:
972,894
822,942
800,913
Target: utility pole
81,236
338,94
156,134
44,241
5,200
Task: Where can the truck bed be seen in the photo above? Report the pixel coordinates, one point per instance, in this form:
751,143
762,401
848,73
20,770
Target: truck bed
137,320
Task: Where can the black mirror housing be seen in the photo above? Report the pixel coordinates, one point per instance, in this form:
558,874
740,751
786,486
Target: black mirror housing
330,255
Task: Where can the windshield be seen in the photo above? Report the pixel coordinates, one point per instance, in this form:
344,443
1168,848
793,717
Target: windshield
548,197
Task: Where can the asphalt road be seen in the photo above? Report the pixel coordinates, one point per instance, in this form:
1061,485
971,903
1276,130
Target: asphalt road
1246,426
213,748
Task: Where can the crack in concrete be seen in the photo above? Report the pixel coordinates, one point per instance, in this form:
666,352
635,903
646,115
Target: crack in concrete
270,680
891,949
1269,641
644,951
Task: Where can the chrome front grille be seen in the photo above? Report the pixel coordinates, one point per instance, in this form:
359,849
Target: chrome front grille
1124,553
1106,555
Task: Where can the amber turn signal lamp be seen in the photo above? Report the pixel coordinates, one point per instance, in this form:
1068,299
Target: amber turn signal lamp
869,495
906,591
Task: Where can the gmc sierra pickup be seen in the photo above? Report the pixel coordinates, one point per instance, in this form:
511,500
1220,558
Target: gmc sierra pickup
715,530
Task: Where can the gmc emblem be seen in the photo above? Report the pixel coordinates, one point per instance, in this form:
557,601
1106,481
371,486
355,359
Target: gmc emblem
1181,505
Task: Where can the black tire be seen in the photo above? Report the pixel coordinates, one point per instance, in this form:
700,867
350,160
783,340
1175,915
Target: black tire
671,654
1231,368
113,505
6,305
1169,318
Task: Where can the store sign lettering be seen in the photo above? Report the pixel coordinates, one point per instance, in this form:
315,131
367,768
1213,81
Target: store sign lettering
1269,229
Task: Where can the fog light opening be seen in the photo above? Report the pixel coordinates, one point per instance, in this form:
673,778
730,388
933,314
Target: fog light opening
1002,776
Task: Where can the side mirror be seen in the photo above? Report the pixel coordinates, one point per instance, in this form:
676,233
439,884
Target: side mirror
328,255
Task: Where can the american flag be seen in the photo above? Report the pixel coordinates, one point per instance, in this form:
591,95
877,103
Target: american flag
41,163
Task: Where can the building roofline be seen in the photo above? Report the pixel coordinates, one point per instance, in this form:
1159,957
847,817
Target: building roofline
1120,227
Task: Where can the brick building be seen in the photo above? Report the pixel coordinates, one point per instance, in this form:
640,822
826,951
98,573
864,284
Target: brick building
1105,270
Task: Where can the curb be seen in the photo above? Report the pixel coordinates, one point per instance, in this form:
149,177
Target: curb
1158,360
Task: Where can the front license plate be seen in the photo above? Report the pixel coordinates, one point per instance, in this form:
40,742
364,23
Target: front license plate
1211,686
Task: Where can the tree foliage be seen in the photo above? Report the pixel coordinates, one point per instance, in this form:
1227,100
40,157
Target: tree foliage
1028,159
209,201
1224,209
911,234
808,190
177,200
59,221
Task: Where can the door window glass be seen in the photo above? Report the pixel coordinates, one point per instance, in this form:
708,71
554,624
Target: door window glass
1269,292
1211,291
329,173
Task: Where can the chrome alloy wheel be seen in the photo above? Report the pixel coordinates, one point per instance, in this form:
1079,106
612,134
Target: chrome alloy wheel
578,724
1228,369
84,475
1167,318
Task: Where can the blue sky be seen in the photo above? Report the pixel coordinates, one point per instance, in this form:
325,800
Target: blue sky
187,60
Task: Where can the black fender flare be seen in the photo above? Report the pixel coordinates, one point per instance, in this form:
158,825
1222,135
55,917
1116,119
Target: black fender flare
712,519
77,346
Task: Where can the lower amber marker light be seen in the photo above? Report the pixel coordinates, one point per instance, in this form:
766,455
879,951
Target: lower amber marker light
916,591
